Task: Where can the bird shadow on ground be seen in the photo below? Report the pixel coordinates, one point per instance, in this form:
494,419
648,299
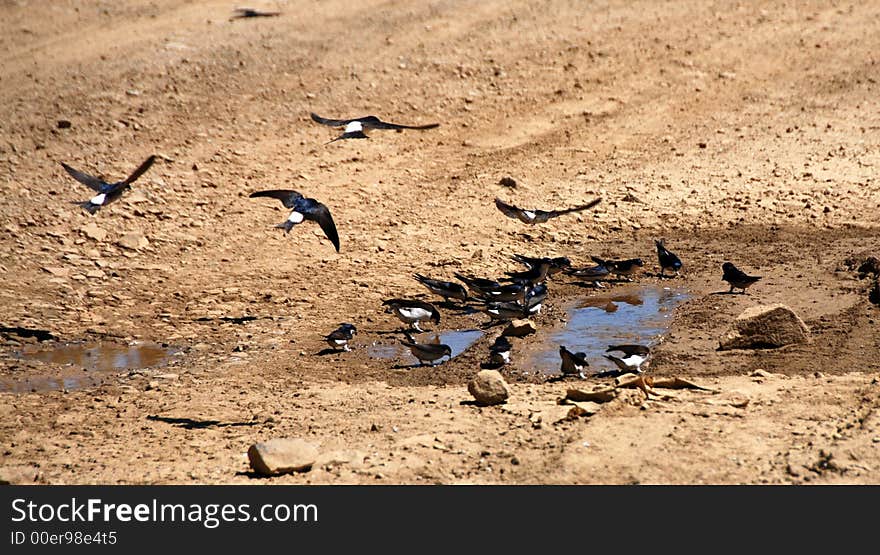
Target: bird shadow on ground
41,335
329,351
193,424
726,293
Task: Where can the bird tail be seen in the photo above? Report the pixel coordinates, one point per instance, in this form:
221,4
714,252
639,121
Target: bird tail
286,226
88,206
590,204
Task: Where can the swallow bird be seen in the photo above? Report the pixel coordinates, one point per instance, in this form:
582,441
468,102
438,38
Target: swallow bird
668,260
479,287
634,357
411,311
557,264
446,289
624,268
341,336
538,216
355,128
499,352
303,209
737,278
107,192
428,352
592,274
241,13
573,364
505,311
533,276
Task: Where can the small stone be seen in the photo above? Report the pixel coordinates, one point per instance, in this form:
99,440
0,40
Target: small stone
520,328
92,231
57,271
765,327
489,388
282,456
507,182
63,124
133,241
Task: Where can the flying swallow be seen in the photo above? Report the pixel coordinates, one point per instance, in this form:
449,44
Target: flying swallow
446,289
250,12
621,267
737,278
634,357
499,352
668,260
411,311
572,363
303,209
428,352
341,336
557,264
355,128
107,192
538,216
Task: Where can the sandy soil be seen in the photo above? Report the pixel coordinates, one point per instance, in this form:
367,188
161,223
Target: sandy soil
736,131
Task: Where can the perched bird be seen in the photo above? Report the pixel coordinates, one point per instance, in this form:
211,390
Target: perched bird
572,363
354,128
668,260
533,276
737,278
411,311
428,352
535,297
505,311
506,293
621,267
538,216
557,264
446,289
634,357
499,352
592,274
107,192
479,287
341,336
303,209
250,12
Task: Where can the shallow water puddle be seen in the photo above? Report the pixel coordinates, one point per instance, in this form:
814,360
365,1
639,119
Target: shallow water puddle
83,365
458,341
634,314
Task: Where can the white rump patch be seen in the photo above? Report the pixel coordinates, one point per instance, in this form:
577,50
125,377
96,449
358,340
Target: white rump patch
295,217
414,313
354,127
529,214
99,199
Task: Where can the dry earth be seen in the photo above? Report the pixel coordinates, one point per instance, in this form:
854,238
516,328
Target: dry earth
738,131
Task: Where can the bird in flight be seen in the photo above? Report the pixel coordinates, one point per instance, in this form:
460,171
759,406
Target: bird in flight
355,128
538,216
107,192
241,13
303,209
668,259
737,278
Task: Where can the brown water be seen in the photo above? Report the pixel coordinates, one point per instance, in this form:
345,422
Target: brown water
77,365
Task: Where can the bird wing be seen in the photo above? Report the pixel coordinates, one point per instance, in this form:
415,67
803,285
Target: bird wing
90,181
376,123
318,212
331,122
141,169
509,210
286,196
590,204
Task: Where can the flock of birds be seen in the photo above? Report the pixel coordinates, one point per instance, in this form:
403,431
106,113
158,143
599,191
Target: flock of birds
518,294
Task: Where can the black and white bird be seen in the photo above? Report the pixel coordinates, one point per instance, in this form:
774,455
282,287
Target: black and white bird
107,192
412,311
573,364
505,311
340,337
303,208
737,278
355,128
535,216
533,276
446,289
634,357
535,297
625,268
479,287
499,352
427,353
668,259
591,274
557,264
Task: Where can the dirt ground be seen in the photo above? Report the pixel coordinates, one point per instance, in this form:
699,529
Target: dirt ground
744,131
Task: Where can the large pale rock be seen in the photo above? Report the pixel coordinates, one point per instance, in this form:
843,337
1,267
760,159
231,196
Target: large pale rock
92,231
133,241
765,327
282,456
489,388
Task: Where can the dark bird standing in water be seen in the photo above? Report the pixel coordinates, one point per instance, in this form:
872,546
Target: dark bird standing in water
107,192
538,216
737,278
668,260
427,352
303,209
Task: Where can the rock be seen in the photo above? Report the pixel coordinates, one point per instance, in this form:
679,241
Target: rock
507,182
133,241
92,231
765,327
489,388
282,456
18,475
520,328
57,271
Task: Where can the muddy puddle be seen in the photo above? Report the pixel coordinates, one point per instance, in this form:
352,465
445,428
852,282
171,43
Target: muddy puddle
458,341
69,366
632,314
